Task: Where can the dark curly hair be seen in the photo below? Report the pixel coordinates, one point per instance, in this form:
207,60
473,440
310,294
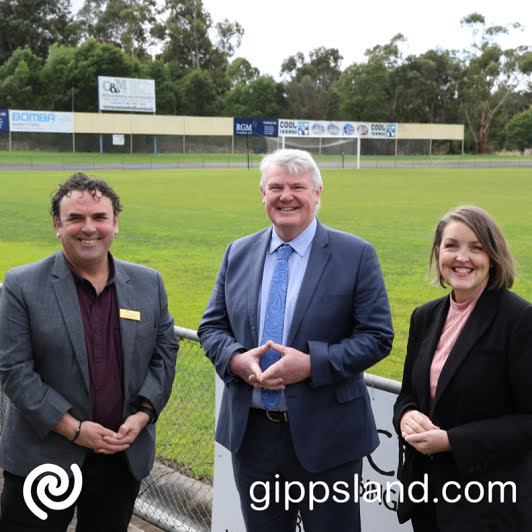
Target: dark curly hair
80,181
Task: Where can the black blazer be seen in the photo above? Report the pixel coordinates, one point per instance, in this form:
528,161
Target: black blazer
484,402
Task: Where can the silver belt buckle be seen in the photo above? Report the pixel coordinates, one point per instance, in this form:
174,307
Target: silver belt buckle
284,416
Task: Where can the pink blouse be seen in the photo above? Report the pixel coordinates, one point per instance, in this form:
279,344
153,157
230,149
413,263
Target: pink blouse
456,319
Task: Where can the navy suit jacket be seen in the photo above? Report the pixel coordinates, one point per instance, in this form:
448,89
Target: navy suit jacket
44,368
341,318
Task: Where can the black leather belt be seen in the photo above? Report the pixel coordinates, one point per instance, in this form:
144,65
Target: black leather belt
276,416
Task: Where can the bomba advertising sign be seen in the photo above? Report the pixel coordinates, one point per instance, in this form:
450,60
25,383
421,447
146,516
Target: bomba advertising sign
126,94
4,120
256,127
41,121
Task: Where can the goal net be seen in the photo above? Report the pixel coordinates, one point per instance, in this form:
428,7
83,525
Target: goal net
317,145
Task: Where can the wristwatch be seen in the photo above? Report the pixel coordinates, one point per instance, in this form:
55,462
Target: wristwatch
149,411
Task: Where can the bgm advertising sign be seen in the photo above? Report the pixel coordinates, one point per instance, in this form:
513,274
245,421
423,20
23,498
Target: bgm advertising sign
257,127
41,121
126,94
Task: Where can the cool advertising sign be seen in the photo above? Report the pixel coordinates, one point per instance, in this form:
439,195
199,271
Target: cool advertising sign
41,121
376,130
323,128
126,94
294,128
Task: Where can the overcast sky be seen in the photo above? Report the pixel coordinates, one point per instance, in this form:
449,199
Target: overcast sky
277,29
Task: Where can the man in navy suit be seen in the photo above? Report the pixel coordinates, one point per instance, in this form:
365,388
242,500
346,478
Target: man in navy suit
87,360
303,453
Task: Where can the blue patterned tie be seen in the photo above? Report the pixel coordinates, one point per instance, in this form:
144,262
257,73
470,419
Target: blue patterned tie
274,320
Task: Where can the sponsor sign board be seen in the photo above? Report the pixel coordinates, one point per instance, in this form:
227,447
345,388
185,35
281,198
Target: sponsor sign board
376,130
126,94
323,128
118,140
4,120
41,121
294,128
257,127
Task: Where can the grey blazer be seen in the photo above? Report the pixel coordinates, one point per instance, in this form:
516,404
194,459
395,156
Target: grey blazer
43,361
341,318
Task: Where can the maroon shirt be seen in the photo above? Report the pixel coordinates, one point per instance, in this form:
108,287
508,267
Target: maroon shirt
101,325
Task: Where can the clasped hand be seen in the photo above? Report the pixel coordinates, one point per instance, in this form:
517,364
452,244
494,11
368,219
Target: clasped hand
418,430
292,367
99,438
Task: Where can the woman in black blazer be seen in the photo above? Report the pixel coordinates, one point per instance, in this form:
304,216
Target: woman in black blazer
464,414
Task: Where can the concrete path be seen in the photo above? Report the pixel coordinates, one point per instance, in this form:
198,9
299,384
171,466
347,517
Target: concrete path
435,163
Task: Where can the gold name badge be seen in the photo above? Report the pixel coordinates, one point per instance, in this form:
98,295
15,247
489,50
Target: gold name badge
130,314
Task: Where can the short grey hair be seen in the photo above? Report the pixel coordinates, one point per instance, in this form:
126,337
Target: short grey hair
295,161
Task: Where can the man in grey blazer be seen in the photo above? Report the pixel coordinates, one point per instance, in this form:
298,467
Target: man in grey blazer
303,450
87,360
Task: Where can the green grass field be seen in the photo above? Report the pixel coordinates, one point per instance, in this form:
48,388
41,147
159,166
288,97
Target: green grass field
25,157
180,221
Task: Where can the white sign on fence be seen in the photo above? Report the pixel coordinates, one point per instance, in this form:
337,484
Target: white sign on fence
41,121
326,129
378,498
126,94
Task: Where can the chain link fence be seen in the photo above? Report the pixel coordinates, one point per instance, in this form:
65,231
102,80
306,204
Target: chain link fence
177,495
138,144
93,163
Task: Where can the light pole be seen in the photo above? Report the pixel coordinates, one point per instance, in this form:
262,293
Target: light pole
73,133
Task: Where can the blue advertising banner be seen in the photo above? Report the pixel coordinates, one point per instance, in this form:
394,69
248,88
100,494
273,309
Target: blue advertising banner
4,120
257,127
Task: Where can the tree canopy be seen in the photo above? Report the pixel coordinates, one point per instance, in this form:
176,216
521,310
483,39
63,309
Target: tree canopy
36,24
51,59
